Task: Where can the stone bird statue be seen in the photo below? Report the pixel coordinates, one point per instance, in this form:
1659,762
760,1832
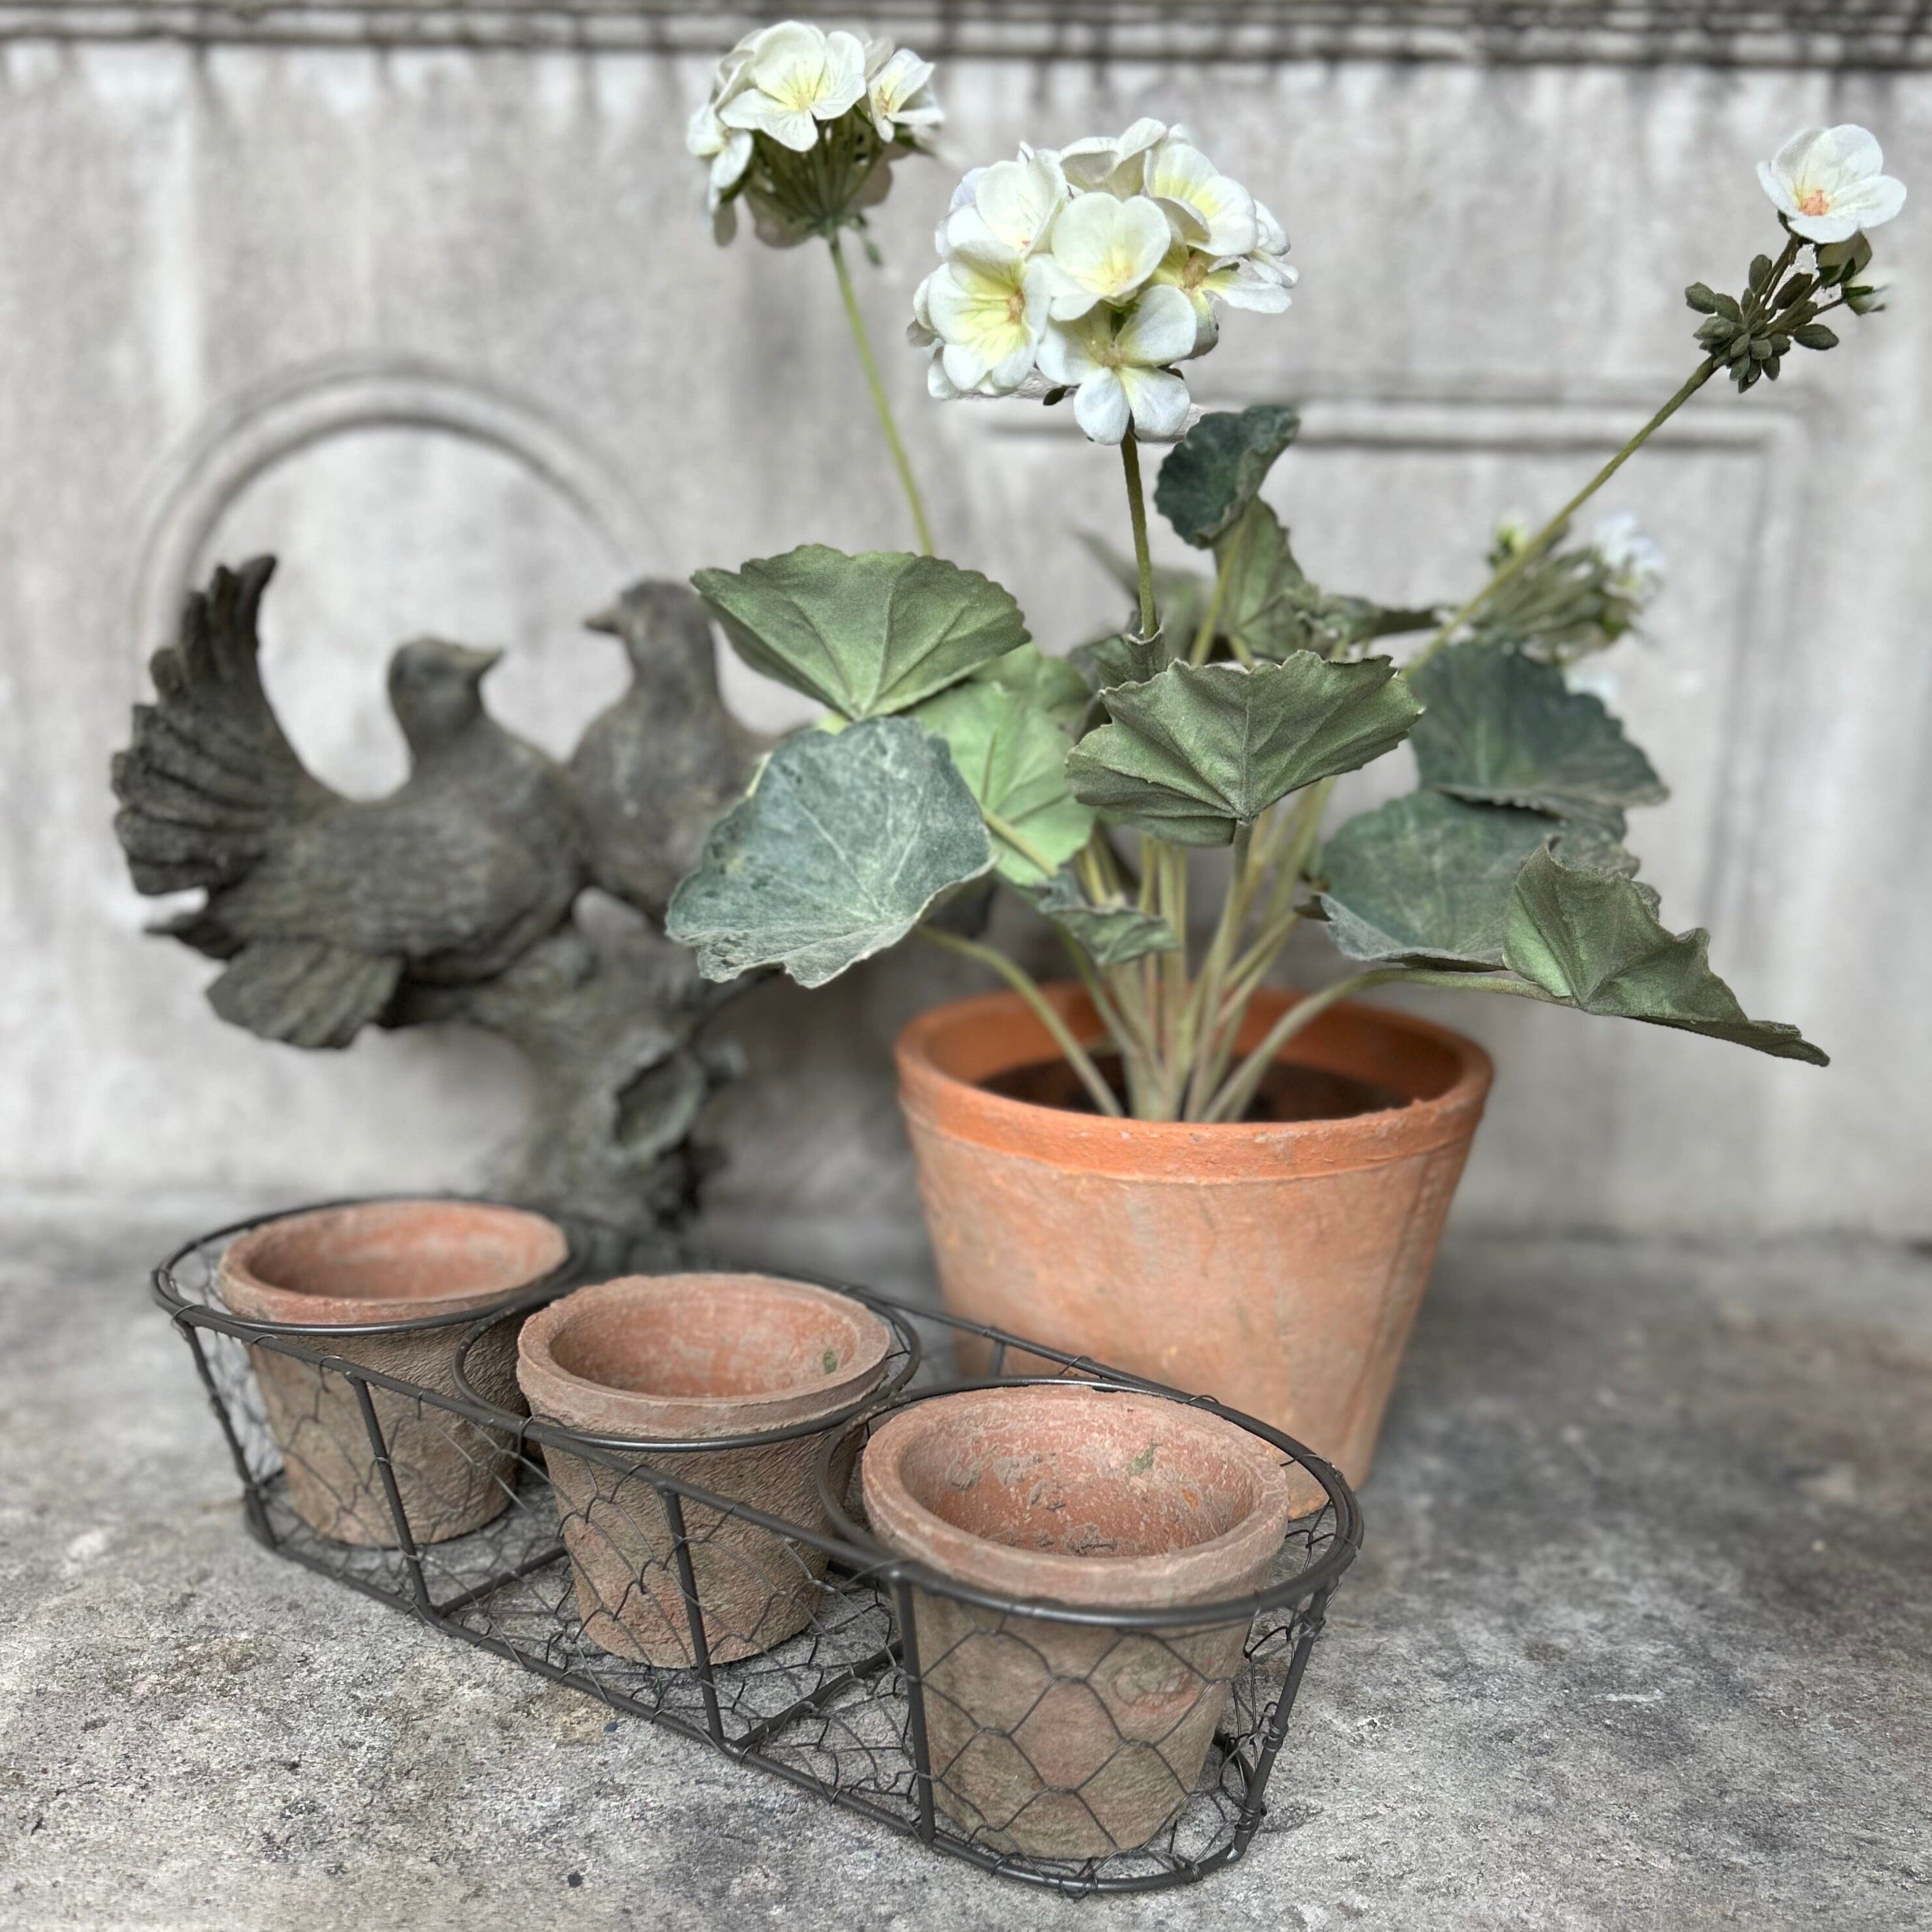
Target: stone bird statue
322,906
653,772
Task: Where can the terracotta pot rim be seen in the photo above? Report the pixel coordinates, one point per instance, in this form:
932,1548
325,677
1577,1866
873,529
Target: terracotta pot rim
277,1305
938,1101
544,1380
1220,1566
914,1050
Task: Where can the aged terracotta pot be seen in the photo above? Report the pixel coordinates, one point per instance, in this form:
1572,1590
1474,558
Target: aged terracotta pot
1066,1740
683,1357
389,1261
1276,1264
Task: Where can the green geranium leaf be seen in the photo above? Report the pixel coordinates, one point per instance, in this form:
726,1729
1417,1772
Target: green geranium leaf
1269,608
867,635
1427,879
1013,758
1592,940
1202,748
1502,729
1260,613
1051,685
845,841
1124,659
1110,935
1213,473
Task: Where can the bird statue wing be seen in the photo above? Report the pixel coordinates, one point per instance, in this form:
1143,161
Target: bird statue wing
432,876
210,777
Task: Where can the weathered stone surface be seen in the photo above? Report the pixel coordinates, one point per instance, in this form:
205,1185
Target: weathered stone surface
1640,1639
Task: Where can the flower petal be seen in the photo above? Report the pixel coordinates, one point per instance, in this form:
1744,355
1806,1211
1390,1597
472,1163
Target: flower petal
1777,186
1159,401
1790,158
1854,149
1066,355
1160,329
1100,407
1875,200
729,164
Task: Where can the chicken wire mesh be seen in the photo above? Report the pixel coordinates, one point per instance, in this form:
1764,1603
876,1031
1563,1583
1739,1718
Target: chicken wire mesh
1088,1749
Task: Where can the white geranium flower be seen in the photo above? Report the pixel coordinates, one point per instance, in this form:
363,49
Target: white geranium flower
1241,281
1104,250
800,75
1008,214
1118,365
988,319
1828,183
1209,210
727,149
803,126
1115,163
1634,559
898,95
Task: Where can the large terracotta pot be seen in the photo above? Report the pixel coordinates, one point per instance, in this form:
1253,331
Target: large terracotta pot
389,1261
686,1358
1056,1738
1276,1264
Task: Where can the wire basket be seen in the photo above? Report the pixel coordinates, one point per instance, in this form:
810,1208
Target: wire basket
1117,1750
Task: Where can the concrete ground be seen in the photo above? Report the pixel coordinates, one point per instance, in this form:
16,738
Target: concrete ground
1642,1636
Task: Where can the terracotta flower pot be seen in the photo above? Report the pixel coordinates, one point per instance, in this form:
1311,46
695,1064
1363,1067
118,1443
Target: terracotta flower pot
1276,1264
1066,1740
388,1261
685,1357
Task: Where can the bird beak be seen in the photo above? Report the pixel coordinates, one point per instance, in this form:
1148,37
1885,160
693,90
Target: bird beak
604,620
478,663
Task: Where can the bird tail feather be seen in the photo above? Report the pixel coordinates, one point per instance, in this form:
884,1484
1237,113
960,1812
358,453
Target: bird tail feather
210,773
304,991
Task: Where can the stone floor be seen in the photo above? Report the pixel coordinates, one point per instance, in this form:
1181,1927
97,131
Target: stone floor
1642,1636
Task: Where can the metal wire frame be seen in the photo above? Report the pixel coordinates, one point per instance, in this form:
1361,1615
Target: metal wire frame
840,1706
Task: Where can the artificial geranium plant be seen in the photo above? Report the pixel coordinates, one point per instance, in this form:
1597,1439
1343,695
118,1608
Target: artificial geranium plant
954,751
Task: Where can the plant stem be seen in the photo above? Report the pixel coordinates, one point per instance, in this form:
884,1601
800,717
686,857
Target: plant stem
1028,989
1541,541
1204,637
1130,459
1232,1100
1011,835
879,401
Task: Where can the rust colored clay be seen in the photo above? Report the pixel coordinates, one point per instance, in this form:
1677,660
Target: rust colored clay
1276,1265
1055,1739
389,1261
685,1357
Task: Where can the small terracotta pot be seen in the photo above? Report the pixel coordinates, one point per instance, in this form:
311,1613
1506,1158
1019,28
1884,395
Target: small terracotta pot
389,1261
1276,1265
685,1357
1069,1740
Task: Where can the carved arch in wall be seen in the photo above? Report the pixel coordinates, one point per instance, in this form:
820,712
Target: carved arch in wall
247,435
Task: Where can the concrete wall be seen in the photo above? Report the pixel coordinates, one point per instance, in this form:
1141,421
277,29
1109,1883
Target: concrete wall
444,329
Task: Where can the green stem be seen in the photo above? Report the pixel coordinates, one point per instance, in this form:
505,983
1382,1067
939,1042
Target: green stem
1204,637
1130,459
1231,1102
900,461
1028,989
1205,1000
1541,541
1011,835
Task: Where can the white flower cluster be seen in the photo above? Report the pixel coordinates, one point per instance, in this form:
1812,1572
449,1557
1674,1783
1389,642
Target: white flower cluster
1634,559
1096,268
800,89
